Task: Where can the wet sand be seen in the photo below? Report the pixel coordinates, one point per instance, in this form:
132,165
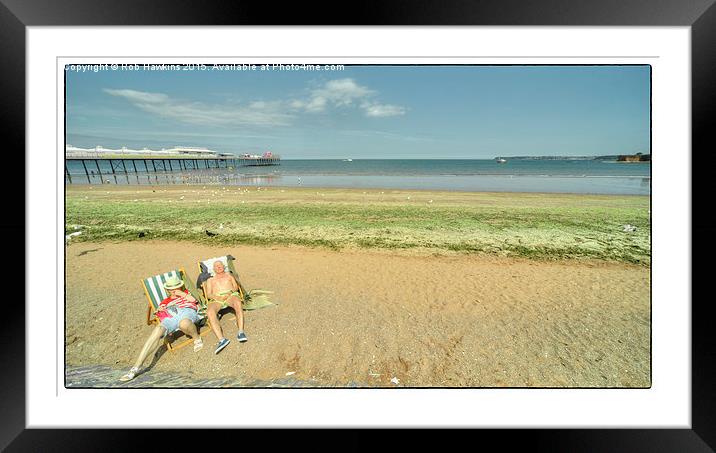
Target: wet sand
369,316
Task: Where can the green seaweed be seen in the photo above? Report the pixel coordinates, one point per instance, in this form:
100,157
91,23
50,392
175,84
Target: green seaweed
551,227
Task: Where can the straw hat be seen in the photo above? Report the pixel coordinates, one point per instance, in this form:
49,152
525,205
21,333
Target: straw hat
173,283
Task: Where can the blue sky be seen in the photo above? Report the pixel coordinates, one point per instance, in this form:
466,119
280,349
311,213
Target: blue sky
367,111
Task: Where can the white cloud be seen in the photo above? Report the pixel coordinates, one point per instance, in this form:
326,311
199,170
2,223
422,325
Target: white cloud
342,92
339,93
345,93
139,97
257,113
316,104
382,110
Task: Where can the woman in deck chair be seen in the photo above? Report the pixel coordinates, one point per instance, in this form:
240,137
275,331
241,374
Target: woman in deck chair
176,312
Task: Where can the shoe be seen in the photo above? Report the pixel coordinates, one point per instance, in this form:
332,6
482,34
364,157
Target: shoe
224,342
198,344
130,375
242,337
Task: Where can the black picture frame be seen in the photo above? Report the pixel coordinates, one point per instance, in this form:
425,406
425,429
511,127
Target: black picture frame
700,15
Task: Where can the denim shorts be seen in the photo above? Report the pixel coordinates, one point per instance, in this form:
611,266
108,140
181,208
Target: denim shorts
172,324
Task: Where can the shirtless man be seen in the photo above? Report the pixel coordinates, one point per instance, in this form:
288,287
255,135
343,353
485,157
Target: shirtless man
222,290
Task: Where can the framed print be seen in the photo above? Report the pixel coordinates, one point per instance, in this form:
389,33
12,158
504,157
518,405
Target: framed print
374,226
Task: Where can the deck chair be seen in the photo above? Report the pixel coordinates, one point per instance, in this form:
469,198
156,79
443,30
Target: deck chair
155,292
250,300
206,270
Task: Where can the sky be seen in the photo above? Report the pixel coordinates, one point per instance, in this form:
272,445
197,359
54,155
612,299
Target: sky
368,112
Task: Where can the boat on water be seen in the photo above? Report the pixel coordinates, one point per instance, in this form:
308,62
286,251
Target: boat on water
500,160
347,160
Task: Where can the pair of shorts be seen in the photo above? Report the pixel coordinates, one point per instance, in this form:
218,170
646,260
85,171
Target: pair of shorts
224,303
171,324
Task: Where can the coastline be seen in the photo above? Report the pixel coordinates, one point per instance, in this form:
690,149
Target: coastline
531,176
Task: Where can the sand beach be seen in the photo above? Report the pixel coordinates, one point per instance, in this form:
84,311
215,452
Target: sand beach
440,289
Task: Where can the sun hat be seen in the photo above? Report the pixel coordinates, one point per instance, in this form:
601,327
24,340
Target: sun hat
173,283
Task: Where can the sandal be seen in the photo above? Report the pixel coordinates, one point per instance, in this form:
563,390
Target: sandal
131,375
198,344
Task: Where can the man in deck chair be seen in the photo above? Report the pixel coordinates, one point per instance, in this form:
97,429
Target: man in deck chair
222,290
176,312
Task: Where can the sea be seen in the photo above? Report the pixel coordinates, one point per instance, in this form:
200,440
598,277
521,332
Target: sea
473,175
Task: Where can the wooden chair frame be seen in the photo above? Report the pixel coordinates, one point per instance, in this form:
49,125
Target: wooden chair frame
153,320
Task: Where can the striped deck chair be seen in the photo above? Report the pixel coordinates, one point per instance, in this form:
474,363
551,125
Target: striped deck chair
155,292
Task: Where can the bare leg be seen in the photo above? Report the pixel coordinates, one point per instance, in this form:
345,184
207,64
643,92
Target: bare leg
235,303
212,313
189,328
152,343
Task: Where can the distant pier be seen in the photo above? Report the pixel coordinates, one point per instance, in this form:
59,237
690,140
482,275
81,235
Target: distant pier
126,166
258,161
101,164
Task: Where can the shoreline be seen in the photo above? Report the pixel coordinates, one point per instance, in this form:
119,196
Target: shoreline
359,189
184,186
326,181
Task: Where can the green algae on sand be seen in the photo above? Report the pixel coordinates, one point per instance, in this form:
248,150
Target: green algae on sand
538,226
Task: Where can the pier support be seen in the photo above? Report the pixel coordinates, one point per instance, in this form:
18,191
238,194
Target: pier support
118,166
89,181
111,165
124,167
136,173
